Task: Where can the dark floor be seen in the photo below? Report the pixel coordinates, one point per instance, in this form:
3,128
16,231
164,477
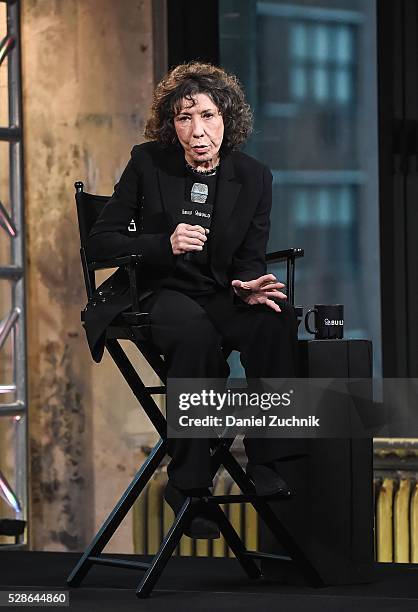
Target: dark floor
201,584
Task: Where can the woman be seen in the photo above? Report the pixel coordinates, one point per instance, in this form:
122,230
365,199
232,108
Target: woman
205,288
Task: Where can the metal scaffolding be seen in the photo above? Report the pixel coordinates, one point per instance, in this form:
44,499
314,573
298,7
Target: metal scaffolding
13,325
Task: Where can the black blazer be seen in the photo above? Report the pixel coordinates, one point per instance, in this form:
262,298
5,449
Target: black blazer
149,192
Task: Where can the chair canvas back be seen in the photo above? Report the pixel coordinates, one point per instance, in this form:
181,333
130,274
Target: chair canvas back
89,207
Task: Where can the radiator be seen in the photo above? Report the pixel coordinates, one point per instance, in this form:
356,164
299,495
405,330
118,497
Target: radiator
153,517
396,520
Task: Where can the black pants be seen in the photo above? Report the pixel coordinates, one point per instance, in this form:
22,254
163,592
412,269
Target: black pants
190,333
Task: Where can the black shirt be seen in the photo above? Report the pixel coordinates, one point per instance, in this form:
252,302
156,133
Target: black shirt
193,275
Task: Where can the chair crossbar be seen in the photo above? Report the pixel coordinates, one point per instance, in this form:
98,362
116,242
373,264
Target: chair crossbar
137,386
136,565
156,390
255,554
155,361
238,499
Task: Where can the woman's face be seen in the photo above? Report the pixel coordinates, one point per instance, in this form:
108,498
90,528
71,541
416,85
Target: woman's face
200,128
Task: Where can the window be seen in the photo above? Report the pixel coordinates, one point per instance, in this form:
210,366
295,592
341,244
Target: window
309,71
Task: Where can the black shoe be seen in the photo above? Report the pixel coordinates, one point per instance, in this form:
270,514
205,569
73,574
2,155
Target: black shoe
266,480
199,527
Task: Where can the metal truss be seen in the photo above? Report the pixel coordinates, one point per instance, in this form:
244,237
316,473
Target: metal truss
13,325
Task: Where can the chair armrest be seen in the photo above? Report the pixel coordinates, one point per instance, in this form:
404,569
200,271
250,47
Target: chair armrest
284,255
289,256
116,262
130,262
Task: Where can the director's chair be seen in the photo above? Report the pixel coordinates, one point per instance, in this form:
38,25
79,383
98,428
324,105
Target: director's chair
133,325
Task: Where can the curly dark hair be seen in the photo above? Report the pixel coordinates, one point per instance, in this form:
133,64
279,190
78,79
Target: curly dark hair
184,82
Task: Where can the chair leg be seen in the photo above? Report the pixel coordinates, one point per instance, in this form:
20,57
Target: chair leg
137,386
118,513
165,551
271,520
235,543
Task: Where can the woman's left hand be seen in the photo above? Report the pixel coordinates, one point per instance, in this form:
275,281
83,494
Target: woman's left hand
260,291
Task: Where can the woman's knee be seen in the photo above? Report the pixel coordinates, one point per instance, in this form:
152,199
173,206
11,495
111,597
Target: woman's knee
272,323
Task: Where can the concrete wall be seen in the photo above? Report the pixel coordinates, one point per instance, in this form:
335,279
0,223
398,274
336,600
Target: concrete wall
87,85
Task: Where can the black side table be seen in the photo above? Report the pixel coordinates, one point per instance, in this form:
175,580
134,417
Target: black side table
331,510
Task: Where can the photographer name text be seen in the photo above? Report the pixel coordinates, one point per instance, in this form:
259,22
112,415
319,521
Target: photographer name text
229,420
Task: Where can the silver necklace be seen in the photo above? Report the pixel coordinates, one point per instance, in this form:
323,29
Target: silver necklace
210,172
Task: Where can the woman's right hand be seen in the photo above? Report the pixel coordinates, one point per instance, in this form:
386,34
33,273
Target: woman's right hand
187,238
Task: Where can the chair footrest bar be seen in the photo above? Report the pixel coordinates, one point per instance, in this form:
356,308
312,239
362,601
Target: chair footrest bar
156,390
238,499
136,565
254,554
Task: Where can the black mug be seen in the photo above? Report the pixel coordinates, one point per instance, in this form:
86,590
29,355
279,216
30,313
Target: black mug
329,321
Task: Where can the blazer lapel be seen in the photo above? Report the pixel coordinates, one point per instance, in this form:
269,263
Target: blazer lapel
172,185
228,190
